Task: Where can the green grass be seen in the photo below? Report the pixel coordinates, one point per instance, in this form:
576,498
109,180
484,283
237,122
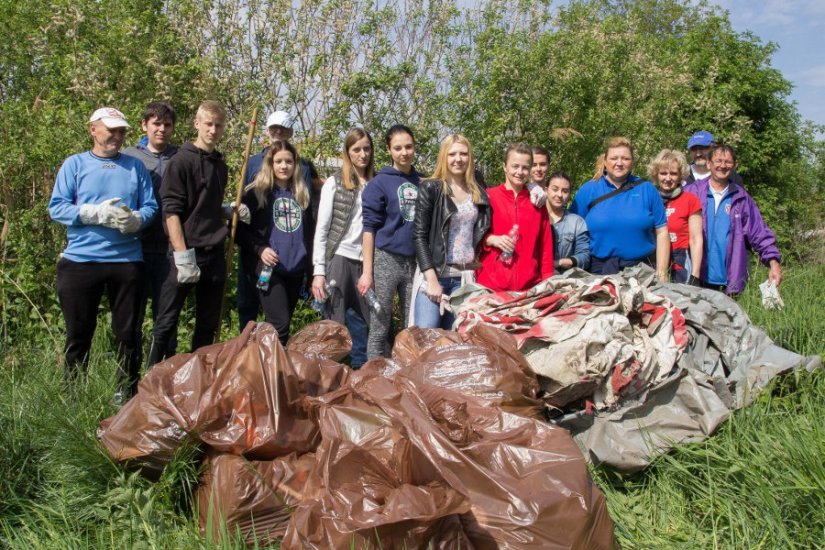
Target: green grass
759,483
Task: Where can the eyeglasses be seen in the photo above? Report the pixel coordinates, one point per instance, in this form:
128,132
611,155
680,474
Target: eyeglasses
723,163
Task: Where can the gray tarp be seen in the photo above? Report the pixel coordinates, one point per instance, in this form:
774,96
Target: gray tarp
726,362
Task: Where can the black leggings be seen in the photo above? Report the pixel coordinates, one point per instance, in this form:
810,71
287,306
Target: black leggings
279,301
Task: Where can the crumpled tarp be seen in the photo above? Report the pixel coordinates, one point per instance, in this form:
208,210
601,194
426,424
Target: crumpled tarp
630,366
400,454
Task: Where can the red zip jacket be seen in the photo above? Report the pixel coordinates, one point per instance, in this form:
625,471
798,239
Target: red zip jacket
533,256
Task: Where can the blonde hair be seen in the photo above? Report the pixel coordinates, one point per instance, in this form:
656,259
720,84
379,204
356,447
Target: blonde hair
265,180
611,143
664,159
211,107
441,169
349,176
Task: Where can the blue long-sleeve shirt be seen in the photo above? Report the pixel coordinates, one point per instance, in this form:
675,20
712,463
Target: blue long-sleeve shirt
86,178
388,205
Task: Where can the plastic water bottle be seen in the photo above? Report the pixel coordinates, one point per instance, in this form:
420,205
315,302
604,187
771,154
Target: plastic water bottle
264,277
321,305
372,301
507,257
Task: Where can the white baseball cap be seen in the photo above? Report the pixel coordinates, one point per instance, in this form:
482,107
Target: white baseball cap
280,118
111,117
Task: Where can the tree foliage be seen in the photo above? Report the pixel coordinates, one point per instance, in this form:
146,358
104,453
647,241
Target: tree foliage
505,70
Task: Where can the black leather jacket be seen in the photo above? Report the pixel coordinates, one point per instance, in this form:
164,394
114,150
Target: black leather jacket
433,210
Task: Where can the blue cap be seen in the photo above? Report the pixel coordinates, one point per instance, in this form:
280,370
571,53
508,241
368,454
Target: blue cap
700,139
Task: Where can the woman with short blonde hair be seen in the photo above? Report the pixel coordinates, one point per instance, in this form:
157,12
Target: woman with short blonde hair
684,215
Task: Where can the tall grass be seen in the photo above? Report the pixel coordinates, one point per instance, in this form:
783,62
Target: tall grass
759,483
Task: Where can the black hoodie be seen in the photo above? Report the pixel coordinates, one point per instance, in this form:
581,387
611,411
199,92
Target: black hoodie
193,188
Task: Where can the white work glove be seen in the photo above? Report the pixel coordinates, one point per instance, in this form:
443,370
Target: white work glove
188,270
537,195
243,212
127,220
444,305
104,213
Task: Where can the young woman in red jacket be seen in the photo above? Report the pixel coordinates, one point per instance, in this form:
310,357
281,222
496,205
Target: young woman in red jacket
517,253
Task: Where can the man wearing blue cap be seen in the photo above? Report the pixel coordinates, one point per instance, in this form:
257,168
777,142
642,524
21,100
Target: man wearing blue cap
699,145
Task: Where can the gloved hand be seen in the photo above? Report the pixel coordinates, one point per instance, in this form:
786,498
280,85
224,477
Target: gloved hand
537,195
444,305
188,270
694,281
127,221
103,213
243,212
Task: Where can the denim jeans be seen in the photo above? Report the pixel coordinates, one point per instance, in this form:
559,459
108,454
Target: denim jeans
427,312
358,330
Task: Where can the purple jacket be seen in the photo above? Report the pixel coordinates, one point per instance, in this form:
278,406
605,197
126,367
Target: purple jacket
747,230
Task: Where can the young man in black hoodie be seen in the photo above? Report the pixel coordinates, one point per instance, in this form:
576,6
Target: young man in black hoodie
158,121
191,194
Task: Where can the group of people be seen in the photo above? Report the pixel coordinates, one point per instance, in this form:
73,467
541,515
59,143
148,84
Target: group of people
151,223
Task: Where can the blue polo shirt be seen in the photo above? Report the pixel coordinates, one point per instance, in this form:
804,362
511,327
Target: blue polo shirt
623,226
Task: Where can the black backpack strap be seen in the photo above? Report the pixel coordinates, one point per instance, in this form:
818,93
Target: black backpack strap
623,189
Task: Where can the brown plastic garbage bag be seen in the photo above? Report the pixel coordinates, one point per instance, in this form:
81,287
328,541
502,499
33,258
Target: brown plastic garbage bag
483,362
254,405
255,498
328,339
384,459
244,396
152,425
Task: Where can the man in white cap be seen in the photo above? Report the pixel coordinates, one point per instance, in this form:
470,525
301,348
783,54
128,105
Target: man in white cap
104,198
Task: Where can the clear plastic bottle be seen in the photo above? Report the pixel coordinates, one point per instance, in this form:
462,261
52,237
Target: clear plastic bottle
372,301
321,305
507,257
264,277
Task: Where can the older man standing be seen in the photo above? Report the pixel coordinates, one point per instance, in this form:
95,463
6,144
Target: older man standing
733,225
104,198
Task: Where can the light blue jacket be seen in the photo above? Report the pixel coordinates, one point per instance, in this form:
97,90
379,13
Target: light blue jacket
571,239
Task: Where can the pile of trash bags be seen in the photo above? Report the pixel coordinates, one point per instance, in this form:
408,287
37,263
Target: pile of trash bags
447,444
441,446
629,365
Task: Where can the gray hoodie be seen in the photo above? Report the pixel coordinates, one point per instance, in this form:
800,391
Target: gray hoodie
154,239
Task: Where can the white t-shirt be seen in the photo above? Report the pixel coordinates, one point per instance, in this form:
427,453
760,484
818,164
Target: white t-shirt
350,245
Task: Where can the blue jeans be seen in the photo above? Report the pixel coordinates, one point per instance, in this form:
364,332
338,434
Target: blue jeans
358,330
427,312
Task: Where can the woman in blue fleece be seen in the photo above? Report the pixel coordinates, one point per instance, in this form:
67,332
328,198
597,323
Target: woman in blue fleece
388,205
279,234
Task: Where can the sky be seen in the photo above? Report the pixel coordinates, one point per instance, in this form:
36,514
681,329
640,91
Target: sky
798,28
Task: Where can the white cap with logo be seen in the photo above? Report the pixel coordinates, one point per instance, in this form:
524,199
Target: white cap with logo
111,117
280,118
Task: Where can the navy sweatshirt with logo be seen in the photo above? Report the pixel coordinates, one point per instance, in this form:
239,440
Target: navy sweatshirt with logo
280,224
388,204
